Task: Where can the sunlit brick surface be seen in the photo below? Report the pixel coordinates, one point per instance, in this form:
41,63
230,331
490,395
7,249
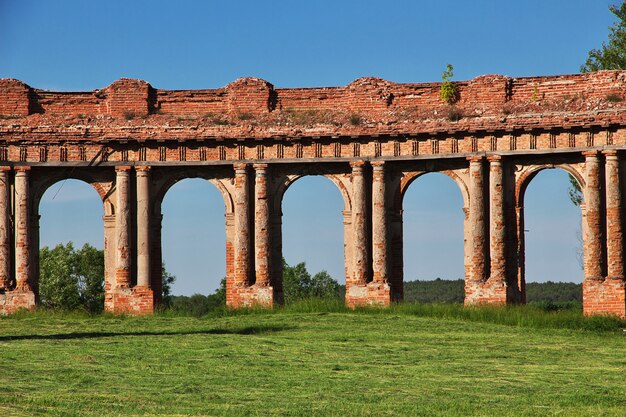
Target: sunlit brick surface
371,138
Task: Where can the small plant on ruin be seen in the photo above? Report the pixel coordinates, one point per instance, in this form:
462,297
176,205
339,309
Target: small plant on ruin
217,120
129,115
355,119
220,122
245,116
448,91
535,95
614,98
308,117
454,114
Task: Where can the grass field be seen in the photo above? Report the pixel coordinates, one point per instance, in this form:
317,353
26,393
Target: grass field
403,361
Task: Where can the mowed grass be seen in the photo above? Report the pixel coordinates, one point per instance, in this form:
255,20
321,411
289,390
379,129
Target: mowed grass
408,360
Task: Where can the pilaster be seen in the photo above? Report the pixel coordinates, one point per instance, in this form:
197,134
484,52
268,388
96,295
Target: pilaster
22,230
5,230
143,226
261,227
122,227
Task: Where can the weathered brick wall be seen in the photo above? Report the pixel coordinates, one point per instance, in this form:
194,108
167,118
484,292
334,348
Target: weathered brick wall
373,99
228,135
14,98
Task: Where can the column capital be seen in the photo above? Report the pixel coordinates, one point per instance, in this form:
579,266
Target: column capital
21,168
260,167
142,168
493,159
591,154
357,166
122,168
610,153
475,159
240,167
5,168
378,165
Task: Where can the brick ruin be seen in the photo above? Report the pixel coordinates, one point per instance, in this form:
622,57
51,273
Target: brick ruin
371,138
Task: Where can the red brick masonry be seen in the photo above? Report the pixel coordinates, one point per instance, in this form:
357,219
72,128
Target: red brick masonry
371,138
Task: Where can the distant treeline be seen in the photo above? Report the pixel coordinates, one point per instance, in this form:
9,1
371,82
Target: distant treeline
546,295
447,291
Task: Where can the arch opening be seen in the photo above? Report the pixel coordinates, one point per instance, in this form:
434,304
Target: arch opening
70,265
193,237
312,233
433,239
553,243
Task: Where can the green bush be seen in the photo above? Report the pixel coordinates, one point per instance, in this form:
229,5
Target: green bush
448,91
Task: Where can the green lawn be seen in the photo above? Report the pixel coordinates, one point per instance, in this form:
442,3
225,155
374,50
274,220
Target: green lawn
288,363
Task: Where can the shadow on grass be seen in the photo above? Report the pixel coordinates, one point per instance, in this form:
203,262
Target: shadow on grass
246,331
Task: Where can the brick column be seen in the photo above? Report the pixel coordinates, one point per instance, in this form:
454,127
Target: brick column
143,226
477,221
22,229
122,227
477,289
359,225
614,233
497,230
604,294
5,230
379,224
241,241
261,227
110,263
593,231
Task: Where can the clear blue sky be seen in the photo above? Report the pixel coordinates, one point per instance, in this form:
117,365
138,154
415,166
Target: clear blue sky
81,45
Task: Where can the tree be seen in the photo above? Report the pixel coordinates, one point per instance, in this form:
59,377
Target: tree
574,191
298,284
72,279
296,281
219,296
58,283
612,55
324,286
90,275
198,305
167,280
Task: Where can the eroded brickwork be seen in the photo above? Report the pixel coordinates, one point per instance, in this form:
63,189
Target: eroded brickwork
371,138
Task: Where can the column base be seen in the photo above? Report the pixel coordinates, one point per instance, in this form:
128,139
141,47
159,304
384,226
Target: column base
135,301
12,301
371,294
604,297
490,292
253,296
